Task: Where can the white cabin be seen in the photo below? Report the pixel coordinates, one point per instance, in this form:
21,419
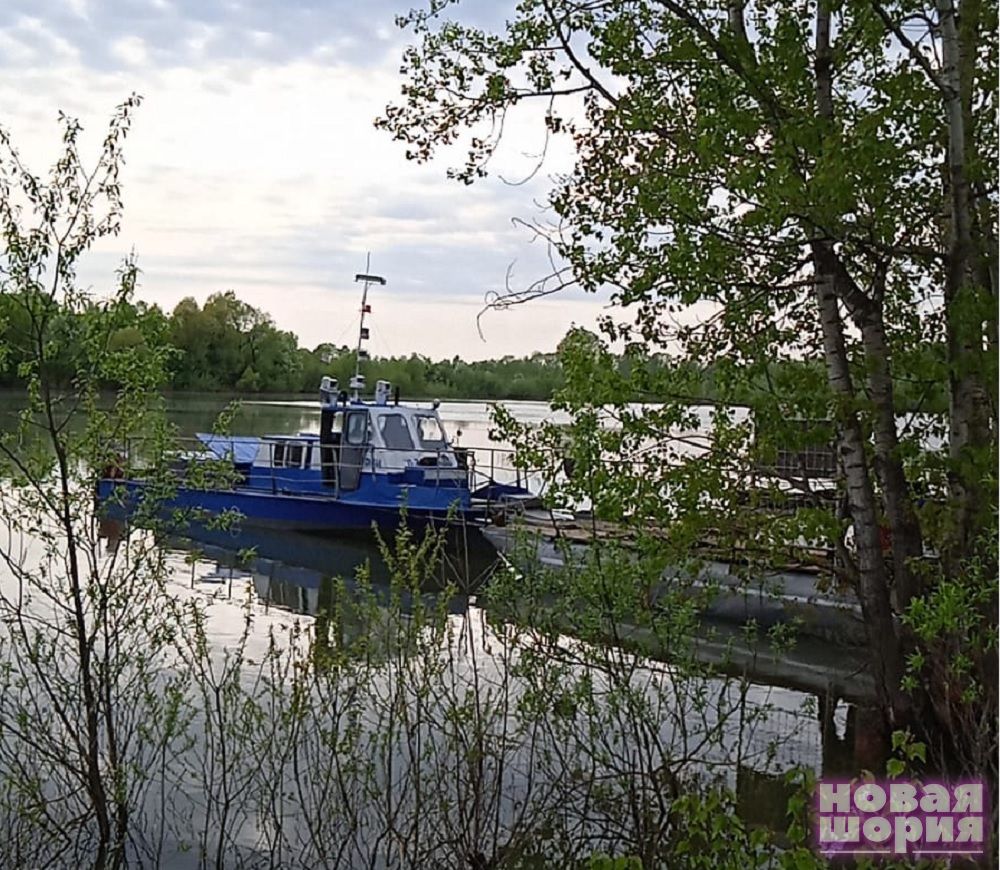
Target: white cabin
385,437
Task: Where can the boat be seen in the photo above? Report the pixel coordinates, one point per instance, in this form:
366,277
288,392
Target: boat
373,461
800,595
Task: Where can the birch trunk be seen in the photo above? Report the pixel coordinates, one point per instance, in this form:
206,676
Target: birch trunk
970,425
873,586
905,535
907,539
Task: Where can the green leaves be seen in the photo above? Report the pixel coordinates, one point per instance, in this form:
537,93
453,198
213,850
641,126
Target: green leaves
727,158
907,752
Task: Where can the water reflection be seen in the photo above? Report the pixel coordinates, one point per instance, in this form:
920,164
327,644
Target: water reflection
317,576
757,731
288,568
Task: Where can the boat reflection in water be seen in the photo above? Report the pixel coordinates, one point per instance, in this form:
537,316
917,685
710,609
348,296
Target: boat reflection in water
292,570
344,582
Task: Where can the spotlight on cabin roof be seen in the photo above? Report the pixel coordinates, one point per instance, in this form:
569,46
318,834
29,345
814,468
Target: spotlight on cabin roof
383,389
328,390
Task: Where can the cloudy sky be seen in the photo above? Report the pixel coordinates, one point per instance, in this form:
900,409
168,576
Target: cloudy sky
253,165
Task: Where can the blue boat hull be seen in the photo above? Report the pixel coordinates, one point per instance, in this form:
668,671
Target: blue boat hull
299,511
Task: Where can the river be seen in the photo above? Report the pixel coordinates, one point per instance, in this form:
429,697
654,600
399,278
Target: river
291,584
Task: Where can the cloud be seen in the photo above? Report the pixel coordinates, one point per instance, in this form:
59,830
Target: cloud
253,165
186,31
78,8
130,50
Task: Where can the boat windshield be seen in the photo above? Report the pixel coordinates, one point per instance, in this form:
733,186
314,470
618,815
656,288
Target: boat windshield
394,431
430,432
358,428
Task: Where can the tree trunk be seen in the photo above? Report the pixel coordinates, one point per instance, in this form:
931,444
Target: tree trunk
873,588
904,528
970,429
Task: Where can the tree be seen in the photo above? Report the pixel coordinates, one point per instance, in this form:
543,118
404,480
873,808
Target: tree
812,181
229,344
190,334
79,632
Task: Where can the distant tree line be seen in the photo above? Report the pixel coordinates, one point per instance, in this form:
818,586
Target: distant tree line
227,345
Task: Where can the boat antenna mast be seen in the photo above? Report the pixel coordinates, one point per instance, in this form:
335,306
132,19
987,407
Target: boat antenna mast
358,381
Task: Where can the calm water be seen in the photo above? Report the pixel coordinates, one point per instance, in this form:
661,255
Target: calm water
469,559
288,579
468,423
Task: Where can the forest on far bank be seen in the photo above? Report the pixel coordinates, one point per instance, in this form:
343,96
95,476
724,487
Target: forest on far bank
228,345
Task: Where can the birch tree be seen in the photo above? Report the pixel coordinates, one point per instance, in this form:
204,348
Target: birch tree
810,181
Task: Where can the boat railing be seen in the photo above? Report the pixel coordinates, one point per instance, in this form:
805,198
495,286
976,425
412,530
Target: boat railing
481,466
503,465
276,464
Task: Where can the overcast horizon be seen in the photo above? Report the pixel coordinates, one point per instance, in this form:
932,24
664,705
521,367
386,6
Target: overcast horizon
253,166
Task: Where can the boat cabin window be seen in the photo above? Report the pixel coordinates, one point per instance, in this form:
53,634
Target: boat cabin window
293,456
430,432
287,455
357,427
394,431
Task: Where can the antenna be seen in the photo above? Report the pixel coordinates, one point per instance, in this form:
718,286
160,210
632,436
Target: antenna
358,381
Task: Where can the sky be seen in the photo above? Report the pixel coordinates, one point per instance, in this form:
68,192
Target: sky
253,165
